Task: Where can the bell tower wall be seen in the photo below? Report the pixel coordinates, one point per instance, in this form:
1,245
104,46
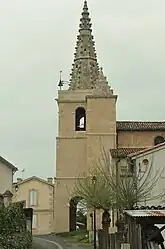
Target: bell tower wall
87,120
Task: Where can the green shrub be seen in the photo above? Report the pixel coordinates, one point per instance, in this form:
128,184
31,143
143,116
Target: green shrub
13,232
16,241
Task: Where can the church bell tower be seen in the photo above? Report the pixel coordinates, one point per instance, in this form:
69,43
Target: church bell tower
87,113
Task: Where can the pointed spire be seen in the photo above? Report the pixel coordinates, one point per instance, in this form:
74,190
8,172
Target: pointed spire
102,88
85,71
85,68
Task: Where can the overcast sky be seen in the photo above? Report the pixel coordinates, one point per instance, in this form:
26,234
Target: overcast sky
37,40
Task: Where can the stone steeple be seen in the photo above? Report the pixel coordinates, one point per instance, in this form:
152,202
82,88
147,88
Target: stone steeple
85,68
85,71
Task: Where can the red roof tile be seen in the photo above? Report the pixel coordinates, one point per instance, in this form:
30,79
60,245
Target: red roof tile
123,152
140,126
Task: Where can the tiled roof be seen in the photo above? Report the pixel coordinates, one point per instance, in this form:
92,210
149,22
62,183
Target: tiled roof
140,126
145,213
132,154
123,152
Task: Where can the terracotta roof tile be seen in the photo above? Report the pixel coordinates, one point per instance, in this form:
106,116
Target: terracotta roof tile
140,126
123,152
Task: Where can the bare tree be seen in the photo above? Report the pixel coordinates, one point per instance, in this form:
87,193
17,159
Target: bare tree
108,192
96,195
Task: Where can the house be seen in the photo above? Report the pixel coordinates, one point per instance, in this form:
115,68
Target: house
7,170
119,160
39,195
127,162
149,166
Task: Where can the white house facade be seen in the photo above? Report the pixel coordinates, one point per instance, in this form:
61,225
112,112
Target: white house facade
7,171
150,167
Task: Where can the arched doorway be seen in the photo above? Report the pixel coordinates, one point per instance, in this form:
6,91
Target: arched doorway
77,214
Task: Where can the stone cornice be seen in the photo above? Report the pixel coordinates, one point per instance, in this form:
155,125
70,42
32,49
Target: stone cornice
86,135
78,101
101,134
86,97
69,178
101,97
71,137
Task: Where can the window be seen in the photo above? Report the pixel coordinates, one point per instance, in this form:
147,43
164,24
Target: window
34,224
159,140
33,198
80,119
144,165
131,168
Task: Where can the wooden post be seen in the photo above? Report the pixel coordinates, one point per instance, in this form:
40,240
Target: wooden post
118,240
112,241
106,224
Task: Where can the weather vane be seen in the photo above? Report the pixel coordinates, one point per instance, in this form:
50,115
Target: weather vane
22,171
62,82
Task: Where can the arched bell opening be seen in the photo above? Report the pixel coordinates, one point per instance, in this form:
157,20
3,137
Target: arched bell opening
80,119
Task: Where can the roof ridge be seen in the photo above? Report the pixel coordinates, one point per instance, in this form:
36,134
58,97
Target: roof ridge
8,164
147,149
35,177
140,125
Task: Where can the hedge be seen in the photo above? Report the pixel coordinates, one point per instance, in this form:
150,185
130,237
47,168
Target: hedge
13,232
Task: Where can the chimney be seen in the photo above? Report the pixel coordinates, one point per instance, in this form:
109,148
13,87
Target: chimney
50,180
19,180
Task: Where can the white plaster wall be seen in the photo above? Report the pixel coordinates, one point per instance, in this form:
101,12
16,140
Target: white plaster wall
157,165
6,178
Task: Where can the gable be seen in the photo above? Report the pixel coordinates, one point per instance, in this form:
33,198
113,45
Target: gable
35,179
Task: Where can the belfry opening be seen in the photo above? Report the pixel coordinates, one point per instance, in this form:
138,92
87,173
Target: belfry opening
80,119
